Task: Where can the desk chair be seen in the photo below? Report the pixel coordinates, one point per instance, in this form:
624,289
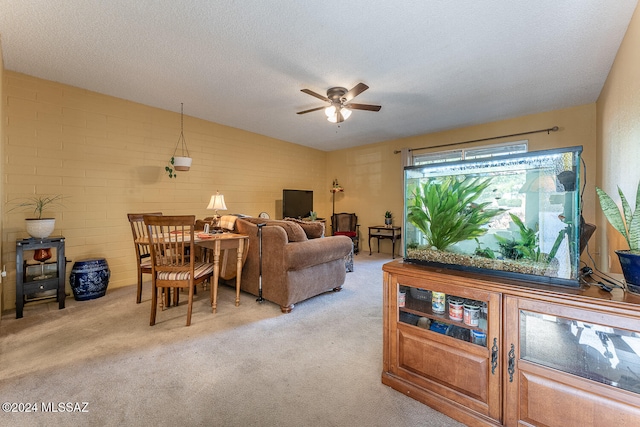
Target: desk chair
173,262
143,259
346,224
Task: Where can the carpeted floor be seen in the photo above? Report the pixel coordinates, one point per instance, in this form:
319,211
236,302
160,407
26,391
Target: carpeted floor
244,366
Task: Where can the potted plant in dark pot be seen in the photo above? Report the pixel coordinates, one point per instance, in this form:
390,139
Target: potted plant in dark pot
388,220
38,226
629,227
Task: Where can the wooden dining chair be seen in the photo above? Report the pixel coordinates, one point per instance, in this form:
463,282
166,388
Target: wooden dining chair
173,264
143,259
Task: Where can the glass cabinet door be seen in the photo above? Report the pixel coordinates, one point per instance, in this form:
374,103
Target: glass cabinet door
445,337
567,364
602,353
455,315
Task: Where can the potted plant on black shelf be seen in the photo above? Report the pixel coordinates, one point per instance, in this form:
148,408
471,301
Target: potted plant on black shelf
38,226
629,227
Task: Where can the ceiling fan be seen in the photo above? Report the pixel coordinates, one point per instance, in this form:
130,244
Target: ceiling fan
339,99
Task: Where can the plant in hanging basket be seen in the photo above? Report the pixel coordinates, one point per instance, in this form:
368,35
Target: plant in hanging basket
182,163
179,163
170,168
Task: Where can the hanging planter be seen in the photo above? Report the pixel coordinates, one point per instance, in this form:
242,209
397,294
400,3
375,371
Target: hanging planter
180,161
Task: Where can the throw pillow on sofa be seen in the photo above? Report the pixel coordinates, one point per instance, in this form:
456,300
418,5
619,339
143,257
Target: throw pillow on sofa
295,233
313,230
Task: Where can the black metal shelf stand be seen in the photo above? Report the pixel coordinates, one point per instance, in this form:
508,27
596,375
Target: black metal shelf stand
26,285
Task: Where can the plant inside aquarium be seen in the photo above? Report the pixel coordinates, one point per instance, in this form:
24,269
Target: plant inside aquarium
484,252
447,212
526,246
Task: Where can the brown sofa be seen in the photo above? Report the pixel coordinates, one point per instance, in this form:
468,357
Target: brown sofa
298,262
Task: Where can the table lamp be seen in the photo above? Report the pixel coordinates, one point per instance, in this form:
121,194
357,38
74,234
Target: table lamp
217,203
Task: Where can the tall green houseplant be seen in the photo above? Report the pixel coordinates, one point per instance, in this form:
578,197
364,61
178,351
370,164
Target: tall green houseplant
629,227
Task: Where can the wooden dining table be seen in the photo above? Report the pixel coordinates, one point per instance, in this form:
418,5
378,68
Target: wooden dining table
220,243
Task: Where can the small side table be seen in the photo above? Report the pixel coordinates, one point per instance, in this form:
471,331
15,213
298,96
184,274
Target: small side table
219,243
385,232
26,285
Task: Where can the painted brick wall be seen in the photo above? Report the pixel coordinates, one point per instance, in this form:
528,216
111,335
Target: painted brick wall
106,156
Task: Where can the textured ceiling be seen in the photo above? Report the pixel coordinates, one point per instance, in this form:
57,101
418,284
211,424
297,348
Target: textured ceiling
433,65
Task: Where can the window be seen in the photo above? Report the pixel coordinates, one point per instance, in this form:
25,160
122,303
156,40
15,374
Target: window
471,153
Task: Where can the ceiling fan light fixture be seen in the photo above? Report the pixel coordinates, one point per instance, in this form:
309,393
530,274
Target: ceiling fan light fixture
330,111
339,99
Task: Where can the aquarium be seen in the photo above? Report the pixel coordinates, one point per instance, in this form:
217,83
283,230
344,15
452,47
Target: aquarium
515,216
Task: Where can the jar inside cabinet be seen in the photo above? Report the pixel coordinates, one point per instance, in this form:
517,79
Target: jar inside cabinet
450,314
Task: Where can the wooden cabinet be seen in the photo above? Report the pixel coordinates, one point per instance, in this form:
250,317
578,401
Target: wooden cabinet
571,363
536,355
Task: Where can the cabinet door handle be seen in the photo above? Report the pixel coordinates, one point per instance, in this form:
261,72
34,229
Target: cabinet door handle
512,363
494,356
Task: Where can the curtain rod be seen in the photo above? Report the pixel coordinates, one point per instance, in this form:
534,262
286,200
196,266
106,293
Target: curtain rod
553,129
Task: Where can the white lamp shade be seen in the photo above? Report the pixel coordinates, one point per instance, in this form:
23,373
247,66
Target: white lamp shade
332,113
217,202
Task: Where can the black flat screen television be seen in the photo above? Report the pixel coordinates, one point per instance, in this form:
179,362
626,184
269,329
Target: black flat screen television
297,203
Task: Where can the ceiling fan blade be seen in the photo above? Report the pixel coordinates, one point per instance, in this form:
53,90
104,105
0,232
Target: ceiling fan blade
313,109
367,107
357,90
317,95
339,117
